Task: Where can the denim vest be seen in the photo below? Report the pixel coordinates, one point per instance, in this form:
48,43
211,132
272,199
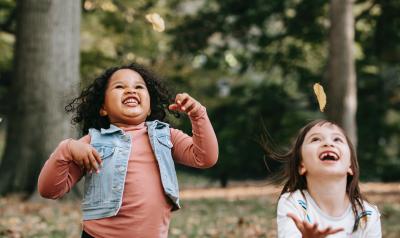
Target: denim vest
103,191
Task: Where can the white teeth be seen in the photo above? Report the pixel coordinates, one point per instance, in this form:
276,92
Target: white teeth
329,154
131,101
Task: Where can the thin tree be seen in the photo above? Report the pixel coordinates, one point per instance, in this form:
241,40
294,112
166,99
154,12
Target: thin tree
342,84
46,74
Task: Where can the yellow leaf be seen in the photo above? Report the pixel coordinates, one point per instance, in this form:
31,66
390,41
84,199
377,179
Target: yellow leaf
156,21
321,97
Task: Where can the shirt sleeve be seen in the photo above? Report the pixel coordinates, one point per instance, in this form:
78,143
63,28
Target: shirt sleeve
286,226
200,150
59,174
374,225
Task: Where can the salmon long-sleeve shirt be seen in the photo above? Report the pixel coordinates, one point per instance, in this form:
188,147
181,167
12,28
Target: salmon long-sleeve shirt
145,210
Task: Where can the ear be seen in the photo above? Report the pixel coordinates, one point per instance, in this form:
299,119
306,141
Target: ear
103,112
350,171
302,169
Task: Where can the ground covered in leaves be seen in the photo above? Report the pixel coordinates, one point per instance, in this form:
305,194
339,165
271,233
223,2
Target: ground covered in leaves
238,211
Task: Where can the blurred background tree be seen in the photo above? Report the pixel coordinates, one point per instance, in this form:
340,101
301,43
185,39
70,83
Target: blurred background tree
252,63
45,76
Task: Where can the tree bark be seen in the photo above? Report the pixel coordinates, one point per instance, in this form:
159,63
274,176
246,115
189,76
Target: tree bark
46,75
342,82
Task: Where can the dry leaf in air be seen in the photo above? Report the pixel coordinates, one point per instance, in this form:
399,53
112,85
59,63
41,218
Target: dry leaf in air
156,21
321,97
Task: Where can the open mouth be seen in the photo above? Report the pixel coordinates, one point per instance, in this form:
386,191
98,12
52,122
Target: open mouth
329,155
131,101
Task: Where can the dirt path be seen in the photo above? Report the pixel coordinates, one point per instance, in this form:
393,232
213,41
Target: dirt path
375,192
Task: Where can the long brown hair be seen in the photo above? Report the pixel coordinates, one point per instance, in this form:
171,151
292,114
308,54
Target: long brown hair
291,179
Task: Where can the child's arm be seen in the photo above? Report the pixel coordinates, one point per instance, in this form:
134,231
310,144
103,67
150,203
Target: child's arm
200,150
64,168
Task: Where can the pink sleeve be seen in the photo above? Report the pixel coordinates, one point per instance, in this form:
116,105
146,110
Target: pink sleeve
200,150
59,174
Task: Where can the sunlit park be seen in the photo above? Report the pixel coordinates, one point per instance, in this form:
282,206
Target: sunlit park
261,69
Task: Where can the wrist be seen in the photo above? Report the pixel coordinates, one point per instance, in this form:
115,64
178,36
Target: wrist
198,113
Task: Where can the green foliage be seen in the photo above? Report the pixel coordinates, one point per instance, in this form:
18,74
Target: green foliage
290,37
251,63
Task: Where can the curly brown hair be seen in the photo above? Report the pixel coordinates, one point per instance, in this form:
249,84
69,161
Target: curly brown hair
86,107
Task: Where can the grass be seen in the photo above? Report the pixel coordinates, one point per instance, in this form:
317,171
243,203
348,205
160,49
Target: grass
206,218
222,218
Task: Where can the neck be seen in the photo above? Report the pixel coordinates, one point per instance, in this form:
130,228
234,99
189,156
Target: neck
127,126
329,195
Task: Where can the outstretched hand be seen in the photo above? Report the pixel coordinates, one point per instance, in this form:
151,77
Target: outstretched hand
85,156
311,230
185,103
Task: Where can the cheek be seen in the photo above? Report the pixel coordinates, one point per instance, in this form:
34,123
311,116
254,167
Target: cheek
306,153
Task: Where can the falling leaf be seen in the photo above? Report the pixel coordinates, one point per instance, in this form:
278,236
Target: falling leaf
156,21
321,97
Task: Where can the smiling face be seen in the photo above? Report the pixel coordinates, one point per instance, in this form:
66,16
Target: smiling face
325,151
127,100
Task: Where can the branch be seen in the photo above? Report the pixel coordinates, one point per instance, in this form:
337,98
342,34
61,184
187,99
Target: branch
365,12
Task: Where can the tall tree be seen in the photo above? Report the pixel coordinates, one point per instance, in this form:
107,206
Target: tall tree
342,84
46,74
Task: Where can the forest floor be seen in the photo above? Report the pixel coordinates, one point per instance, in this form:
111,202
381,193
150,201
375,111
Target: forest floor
240,210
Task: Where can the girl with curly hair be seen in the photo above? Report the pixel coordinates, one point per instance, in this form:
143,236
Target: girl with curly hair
127,153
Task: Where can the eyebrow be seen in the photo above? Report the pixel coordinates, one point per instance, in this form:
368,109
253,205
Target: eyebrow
317,133
123,82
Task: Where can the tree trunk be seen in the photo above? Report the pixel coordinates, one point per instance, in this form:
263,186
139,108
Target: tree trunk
46,76
342,84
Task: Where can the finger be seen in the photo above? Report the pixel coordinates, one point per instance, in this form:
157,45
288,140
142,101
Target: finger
97,157
296,221
310,227
189,105
93,163
195,108
174,107
334,231
325,231
181,98
86,163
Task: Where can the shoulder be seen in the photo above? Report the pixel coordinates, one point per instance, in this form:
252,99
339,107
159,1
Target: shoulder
292,199
370,220
371,211
292,196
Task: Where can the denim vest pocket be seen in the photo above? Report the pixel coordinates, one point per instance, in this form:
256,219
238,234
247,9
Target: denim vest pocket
97,188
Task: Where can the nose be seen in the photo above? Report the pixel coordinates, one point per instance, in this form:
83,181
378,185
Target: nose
328,143
130,90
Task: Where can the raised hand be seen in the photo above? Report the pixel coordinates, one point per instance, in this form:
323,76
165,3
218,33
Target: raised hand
309,230
185,103
85,156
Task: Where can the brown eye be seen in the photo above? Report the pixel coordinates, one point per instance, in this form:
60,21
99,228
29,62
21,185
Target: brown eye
338,139
315,139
